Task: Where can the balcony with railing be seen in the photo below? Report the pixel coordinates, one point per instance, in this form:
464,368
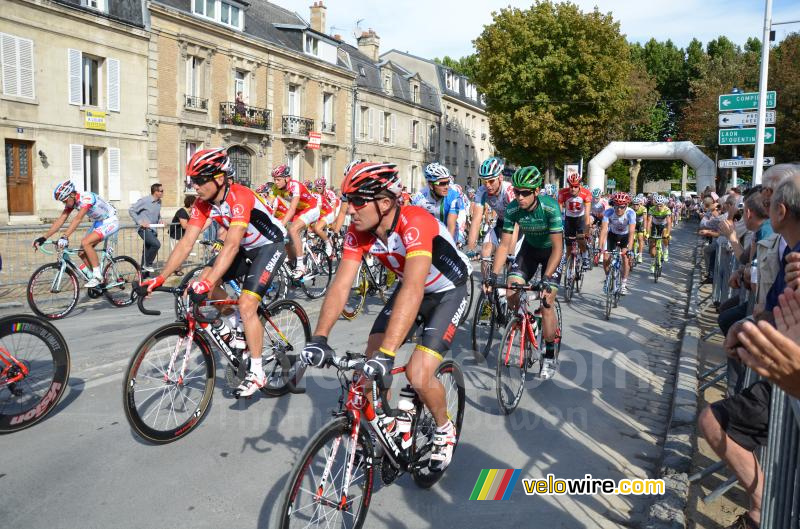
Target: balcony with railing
297,126
239,115
199,104
328,128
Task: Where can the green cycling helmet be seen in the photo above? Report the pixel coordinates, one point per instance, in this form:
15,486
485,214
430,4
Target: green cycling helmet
527,178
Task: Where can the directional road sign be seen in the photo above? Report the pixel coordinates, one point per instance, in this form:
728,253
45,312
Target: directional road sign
745,101
745,136
745,119
732,163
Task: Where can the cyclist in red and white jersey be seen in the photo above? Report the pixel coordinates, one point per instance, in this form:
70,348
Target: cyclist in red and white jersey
410,242
254,248
576,201
328,207
303,212
105,223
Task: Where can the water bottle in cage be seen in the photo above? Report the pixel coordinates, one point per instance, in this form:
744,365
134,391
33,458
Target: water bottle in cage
405,416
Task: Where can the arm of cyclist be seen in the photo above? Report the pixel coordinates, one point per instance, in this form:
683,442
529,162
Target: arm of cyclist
501,255
178,255
339,222
603,234
291,211
631,236
75,222
452,225
587,218
54,228
475,225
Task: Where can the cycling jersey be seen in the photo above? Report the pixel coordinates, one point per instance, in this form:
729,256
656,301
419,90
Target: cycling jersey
325,207
295,188
437,206
332,199
659,215
415,232
599,206
640,211
537,224
574,205
96,208
619,224
497,202
241,206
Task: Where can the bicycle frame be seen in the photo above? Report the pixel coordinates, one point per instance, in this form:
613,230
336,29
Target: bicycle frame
8,363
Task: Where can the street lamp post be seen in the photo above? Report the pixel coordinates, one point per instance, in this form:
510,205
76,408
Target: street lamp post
758,157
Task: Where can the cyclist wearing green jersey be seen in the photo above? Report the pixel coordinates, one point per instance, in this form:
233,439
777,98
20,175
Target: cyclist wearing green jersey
539,220
659,224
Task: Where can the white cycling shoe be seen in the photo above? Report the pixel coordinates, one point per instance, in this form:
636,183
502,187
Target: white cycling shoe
93,282
443,446
250,385
548,370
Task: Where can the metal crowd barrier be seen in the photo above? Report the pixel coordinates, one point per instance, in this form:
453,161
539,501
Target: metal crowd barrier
780,502
725,263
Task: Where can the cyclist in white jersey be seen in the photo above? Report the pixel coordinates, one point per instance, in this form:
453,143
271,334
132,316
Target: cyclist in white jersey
619,228
495,193
105,223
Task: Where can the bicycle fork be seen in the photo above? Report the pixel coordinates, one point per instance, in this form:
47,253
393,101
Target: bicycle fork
11,366
319,496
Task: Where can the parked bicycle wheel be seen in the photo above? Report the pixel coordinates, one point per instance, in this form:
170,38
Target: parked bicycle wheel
315,495
163,398
119,276
318,274
53,293
34,371
484,323
358,294
510,375
452,378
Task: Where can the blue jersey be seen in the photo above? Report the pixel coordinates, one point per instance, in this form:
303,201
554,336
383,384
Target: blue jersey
439,207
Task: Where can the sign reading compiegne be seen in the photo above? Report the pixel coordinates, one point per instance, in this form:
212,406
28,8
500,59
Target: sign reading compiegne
746,101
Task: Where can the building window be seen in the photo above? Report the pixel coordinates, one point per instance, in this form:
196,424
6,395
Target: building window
194,76
361,71
312,45
16,58
90,74
294,100
388,126
327,112
415,93
451,81
432,139
229,15
91,170
326,169
414,134
191,148
387,82
240,84
219,11
294,165
365,123
414,184
100,5
240,160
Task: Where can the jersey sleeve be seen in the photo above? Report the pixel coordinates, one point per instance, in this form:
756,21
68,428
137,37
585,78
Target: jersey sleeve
631,216
510,218
199,214
555,224
587,195
241,204
417,230
353,247
607,215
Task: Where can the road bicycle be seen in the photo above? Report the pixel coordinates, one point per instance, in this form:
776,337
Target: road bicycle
332,480
53,289
170,380
522,347
319,269
573,272
593,244
372,279
491,313
658,259
613,282
34,370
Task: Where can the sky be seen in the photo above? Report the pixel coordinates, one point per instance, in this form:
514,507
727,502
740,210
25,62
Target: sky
434,28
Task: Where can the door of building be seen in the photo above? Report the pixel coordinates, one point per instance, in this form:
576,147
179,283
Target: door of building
19,177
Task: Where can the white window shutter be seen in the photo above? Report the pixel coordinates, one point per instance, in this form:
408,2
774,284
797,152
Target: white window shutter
26,80
394,128
411,132
8,58
113,84
382,119
75,59
76,166
357,124
114,179
370,123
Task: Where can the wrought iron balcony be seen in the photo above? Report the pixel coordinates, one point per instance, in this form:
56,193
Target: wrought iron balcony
240,115
195,103
330,128
297,126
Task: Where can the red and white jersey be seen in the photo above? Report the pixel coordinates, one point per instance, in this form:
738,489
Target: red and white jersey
276,206
241,207
96,208
334,201
293,189
325,207
599,206
574,206
416,233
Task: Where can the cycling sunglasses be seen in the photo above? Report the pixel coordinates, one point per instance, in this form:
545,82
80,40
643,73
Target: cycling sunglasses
523,192
442,183
357,202
202,180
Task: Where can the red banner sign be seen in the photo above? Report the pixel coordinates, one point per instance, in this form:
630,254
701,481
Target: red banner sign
314,139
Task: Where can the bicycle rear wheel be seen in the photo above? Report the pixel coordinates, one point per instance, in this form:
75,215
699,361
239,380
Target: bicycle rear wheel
610,286
569,278
118,277
358,294
452,378
510,376
307,501
483,327
318,274
52,293
34,371
160,405
286,332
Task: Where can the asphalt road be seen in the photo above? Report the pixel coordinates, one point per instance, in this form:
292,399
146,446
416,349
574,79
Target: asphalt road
603,415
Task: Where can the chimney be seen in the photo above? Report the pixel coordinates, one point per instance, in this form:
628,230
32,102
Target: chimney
369,43
318,17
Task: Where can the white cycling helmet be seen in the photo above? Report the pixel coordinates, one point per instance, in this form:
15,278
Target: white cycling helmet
63,190
435,172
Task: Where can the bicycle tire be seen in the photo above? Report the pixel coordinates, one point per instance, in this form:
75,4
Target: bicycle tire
35,301
617,281
484,321
37,394
609,294
513,329
278,288
424,425
358,294
387,281
310,464
569,278
205,375
285,351
470,293
122,294
318,274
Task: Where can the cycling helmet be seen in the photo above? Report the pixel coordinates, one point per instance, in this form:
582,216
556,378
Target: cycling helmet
527,178
63,190
574,180
282,171
366,179
620,198
351,165
436,171
638,200
661,200
597,192
210,163
263,189
320,182
550,190
491,168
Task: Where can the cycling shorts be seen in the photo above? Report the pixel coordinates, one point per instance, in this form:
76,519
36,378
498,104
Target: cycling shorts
639,226
615,240
657,230
573,226
105,228
493,235
528,260
308,216
254,268
439,314
329,219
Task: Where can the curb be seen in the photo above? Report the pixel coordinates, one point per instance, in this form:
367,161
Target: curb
668,511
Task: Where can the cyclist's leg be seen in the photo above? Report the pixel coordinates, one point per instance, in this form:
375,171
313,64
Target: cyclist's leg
521,272
653,233
265,261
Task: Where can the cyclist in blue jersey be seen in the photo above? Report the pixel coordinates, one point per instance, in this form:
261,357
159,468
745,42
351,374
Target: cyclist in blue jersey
439,198
619,229
103,215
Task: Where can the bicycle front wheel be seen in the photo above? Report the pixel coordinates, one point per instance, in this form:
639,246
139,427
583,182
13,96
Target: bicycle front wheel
358,294
512,366
52,291
318,274
483,327
119,277
569,278
610,286
315,495
286,332
163,400
34,371
470,297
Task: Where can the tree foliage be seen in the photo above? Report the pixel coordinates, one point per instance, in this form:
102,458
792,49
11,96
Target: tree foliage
464,66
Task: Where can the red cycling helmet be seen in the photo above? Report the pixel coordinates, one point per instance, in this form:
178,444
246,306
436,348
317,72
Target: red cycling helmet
365,180
574,180
282,171
208,163
620,199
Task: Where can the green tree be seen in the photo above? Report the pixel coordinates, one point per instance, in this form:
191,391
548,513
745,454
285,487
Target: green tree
555,80
784,76
464,66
